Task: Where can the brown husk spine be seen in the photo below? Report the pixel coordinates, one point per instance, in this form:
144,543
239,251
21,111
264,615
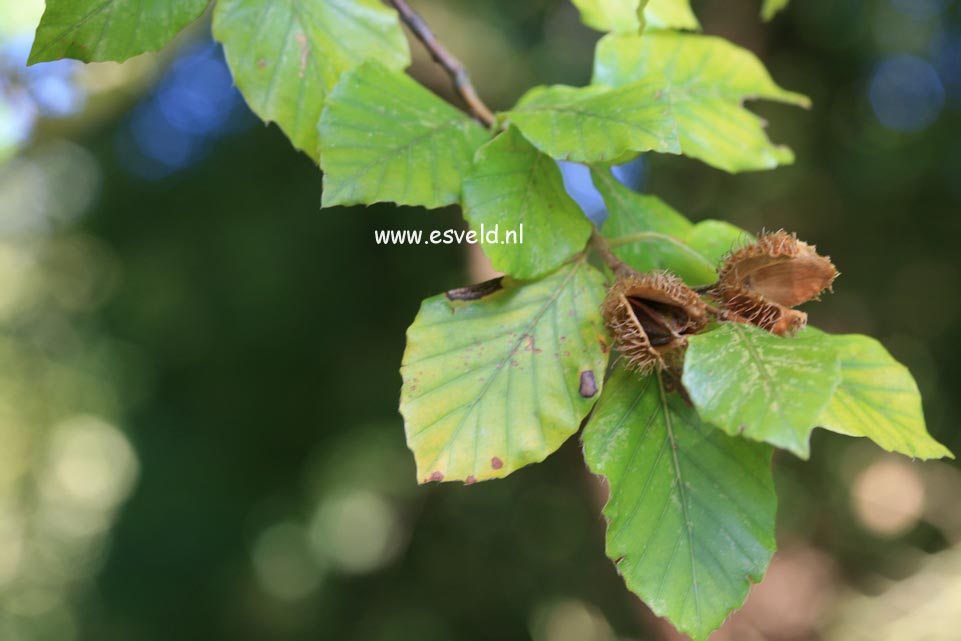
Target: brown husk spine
650,316
745,307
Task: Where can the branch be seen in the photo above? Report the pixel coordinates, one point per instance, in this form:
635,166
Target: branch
454,68
602,247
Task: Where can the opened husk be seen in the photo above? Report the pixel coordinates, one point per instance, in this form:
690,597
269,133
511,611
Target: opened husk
651,316
760,283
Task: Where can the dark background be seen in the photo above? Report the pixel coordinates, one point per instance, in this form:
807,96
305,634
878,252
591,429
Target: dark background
247,346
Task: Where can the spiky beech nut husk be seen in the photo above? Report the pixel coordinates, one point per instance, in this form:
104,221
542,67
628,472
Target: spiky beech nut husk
760,283
780,268
651,315
750,308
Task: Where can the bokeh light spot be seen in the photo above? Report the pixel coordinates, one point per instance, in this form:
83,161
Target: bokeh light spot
358,531
282,562
92,462
569,620
888,497
906,93
193,104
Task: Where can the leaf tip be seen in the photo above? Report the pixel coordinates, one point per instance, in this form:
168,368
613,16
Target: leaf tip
35,56
326,202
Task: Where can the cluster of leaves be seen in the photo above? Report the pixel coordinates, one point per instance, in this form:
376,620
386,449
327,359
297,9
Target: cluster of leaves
499,375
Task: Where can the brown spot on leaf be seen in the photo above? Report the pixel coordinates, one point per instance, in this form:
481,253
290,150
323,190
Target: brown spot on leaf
470,480
436,476
475,292
496,463
603,343
588,384
261,63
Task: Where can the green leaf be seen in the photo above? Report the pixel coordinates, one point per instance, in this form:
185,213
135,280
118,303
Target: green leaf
596,124
768,388
631,16
647,234
770,8
877,398
707,80
632,212
287,55
512,186
671,14
384,137
499,375
714,239
97,30
619,16
691,511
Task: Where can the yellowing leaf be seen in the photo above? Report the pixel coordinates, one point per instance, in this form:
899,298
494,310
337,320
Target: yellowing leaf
671,14
706,81
619,16
877,398
596,124
499,375
631,16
